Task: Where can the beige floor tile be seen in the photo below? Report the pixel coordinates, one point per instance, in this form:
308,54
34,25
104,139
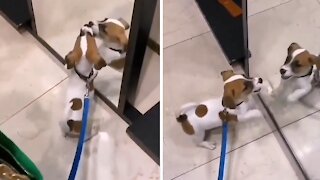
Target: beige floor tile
303,137
258,6
182,19
270,34
27,70
36,131
192,74
262,159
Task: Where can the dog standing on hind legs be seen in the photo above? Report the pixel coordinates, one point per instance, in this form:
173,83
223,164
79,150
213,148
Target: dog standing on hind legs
85,61
197,118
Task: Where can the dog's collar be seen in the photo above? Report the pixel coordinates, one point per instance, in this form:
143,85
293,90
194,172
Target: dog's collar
233,78
117,50
83,77
239,103
308,74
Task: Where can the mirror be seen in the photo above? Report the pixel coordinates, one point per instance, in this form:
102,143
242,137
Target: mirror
284,50
59,22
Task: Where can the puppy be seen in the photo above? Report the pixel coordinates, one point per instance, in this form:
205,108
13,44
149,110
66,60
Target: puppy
196,118
302,66
114,45
85,61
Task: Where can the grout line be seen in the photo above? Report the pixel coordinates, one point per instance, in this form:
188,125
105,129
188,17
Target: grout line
243,145
32,101
187,39
299,119
270,8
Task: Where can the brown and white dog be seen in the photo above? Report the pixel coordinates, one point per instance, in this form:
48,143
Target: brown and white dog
196,118
85,61
114,45
302,66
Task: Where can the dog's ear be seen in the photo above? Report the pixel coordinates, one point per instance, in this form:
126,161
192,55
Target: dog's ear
125,23
293,46
227,74
228,102
314,60
74,56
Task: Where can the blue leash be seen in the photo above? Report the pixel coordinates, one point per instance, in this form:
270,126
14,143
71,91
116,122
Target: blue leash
223,151
77,156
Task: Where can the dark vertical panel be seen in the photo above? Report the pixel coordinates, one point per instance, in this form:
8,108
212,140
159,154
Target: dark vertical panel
142,17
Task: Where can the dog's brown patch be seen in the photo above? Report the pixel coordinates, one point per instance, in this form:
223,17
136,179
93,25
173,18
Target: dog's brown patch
186,126
235,92
117,64
92,53
201,110
114,33
74,126
74,56
76,104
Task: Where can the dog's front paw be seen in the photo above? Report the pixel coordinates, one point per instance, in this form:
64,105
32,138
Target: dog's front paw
87,29
292,98
208,145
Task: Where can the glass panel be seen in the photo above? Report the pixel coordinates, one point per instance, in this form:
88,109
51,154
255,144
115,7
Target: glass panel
284,52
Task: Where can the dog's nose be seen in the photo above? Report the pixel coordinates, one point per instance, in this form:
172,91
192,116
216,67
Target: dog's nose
282,71
260,80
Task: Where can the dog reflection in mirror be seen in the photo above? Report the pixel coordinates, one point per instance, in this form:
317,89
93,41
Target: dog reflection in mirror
114,45
85,61
197,118
303,68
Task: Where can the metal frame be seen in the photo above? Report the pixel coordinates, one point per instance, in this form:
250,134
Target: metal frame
139,40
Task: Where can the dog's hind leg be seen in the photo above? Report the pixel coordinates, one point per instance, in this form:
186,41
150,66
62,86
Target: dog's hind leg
200,141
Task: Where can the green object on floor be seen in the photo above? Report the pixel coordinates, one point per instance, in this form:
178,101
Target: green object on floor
11,155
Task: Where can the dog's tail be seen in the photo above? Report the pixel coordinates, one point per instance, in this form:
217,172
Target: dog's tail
182,118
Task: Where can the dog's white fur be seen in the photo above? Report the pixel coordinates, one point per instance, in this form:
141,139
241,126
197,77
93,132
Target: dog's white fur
244,112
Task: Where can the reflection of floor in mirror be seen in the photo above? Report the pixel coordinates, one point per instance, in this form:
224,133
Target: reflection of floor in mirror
32,97
192,65
270,34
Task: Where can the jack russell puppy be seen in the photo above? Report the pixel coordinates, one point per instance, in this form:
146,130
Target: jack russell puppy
196,118
303,67
85,61
114,45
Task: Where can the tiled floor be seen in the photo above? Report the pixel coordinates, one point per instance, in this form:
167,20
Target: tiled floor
32,102
192,65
